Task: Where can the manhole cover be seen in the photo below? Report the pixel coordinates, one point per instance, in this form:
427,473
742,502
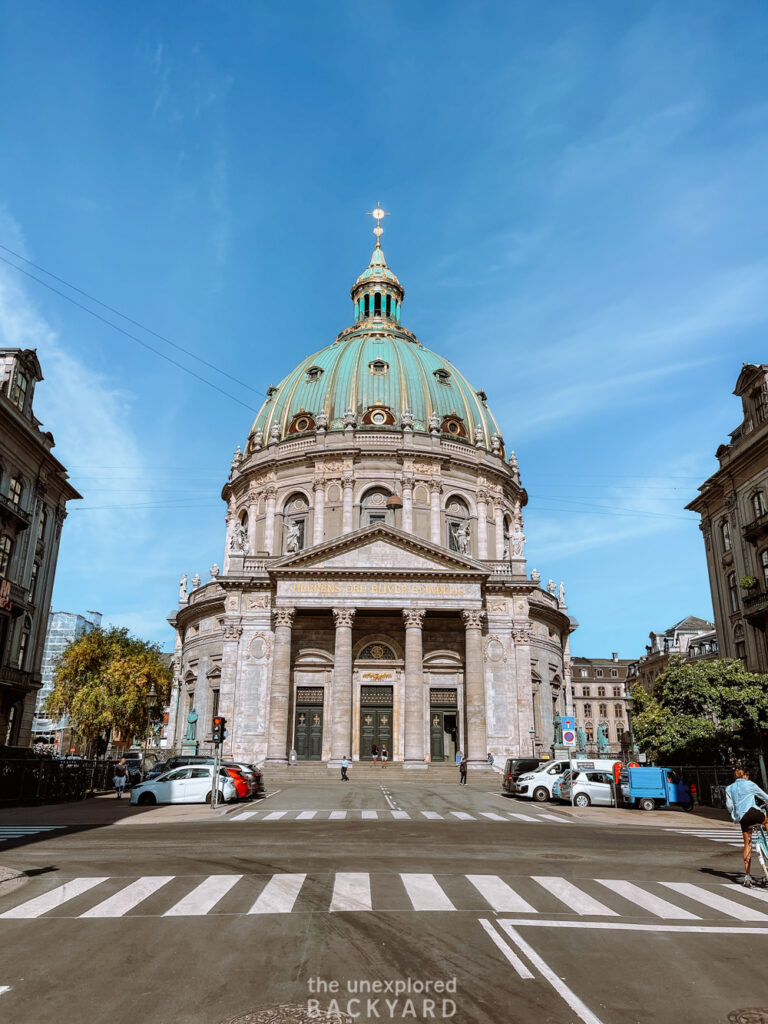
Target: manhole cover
290,1014
751,1015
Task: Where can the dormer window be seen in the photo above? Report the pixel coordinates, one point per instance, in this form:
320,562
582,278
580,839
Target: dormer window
19,396
453,425
378,366
760,400
443,376
314,373
301,421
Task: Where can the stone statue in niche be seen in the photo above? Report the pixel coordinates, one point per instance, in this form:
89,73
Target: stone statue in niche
239,543
506,544
518,540
462,539
292,539
191,725
183,588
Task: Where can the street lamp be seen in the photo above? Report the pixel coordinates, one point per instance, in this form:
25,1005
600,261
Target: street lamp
151,698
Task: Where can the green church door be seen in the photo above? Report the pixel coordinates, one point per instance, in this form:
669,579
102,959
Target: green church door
308,724
375,720
443,725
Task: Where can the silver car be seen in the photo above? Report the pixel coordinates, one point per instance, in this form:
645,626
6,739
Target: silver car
588,788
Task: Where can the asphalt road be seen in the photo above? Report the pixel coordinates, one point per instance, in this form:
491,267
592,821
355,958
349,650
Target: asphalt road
186,916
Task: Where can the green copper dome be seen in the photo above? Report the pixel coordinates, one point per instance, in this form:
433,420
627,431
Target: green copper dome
377,376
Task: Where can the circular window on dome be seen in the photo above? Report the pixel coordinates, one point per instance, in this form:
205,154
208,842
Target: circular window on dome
378,417
302,424
301,421
453,425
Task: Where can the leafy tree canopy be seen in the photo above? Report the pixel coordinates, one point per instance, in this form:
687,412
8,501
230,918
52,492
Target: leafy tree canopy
701,712
102,682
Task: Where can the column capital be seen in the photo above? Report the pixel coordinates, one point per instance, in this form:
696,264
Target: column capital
473,618
414,618
270,492
343,617
348,480
483,495
318,484
284,616
435,485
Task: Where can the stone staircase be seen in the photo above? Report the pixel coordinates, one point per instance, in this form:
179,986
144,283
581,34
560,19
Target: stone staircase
395,773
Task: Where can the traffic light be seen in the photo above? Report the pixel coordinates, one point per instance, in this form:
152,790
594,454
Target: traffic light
219,729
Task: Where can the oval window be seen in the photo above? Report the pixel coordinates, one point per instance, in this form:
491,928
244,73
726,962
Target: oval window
379,417
302,424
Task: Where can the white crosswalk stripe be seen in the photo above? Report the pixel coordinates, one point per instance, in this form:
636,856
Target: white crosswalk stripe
358,814
8,832
363,892
432,815
573,897
338,815
275,815
463,816
401,816
370,815
492,816
306,815
425,893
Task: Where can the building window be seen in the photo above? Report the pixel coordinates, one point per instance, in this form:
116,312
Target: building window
619,730
761,405
314,373
295,511
764,566
741,651
374,508
24,642
588,710
6,548
601,691
617,691
603,711
758,504
585,692
33,581
366,305
19,396
378,366
43,524
733,592
214,703
443,376
584,673
725,533
589,732
614,673
599,673
618,710
15,490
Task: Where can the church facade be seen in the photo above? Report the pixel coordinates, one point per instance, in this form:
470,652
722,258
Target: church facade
374,589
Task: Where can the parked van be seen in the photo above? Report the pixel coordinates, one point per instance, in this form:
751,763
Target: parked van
514,768
538,784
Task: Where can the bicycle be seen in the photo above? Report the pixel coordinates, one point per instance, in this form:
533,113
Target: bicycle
760,846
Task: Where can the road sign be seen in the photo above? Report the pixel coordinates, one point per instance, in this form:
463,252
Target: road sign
569,730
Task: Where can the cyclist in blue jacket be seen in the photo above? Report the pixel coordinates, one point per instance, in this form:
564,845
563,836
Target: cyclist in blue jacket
741,801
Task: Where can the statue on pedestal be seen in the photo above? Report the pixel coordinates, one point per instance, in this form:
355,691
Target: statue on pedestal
602,739
582,741
191,725
558,723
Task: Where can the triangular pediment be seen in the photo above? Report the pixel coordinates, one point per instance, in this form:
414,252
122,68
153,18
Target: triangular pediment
379,547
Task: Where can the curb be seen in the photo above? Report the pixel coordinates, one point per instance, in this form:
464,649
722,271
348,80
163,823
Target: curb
11,880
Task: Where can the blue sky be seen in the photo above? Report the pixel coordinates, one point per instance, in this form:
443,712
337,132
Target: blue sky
578,197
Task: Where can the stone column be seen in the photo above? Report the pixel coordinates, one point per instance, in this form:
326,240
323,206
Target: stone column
476,752
408,504
414,687
341,736
346,510
277,745
499,513
269,524
253,515
434,511
319,527
482,524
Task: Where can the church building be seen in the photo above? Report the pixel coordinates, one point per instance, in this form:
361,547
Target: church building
374,589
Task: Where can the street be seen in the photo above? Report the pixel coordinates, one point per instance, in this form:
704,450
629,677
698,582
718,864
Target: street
365,902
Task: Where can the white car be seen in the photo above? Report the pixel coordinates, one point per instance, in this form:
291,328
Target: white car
190,784
588,788
538,784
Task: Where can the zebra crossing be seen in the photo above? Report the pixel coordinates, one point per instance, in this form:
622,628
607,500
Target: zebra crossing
235,895
23,831
262,814
731,837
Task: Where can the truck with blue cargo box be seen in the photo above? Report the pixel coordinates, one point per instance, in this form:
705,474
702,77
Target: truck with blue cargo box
649,787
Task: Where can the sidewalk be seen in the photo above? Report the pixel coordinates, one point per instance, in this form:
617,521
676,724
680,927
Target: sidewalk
671,817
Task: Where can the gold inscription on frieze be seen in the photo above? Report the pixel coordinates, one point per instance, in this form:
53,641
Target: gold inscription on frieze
343,588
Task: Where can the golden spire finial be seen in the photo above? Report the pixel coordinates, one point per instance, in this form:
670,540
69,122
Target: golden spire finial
378,214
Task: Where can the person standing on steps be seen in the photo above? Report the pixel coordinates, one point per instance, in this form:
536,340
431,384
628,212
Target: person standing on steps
344,766
463,772
384,757
121,777
374,752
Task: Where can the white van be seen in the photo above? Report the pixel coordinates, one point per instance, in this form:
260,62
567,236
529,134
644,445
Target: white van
537,785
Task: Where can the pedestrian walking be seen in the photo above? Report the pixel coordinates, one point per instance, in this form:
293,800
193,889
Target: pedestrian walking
374,752
384,757
463,772
344,766
121,777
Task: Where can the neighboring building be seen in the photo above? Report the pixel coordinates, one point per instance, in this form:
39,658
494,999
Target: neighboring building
733,505
691,637
34,491
374,586
63,628
600,698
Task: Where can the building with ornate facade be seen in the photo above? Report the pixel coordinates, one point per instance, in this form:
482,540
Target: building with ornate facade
691,638
34,491
600,699
733,505
374,588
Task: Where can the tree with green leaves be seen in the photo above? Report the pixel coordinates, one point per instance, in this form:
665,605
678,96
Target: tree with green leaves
102,682
702,712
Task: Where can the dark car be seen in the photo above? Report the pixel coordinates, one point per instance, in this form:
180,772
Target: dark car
514,767
156,770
